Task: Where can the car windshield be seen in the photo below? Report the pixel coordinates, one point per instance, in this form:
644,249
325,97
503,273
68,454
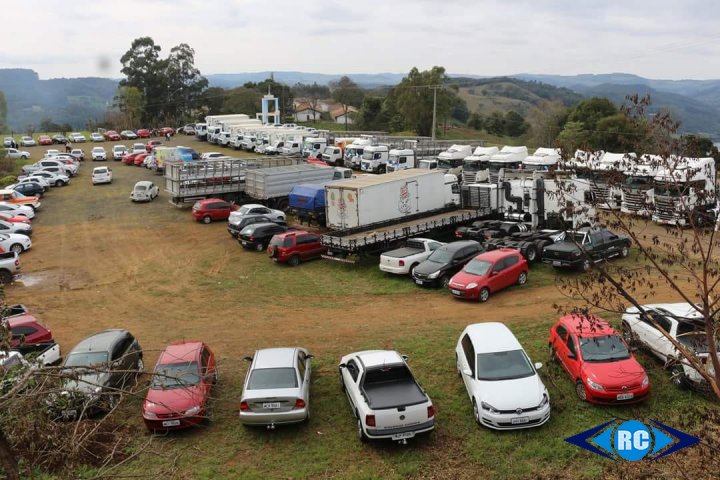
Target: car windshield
280,242
441,255
270,378
695,341
175,375
98,150
101,170
607,348
503,366
83,359
244,210
140,188
477,267
575,237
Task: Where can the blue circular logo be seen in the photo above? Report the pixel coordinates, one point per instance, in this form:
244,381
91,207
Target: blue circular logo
632,440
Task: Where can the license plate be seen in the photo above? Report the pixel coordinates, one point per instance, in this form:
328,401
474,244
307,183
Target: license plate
419,282
519,420
271,405
625,396
69,413
401,436
243,242
556,263
455,292
171,423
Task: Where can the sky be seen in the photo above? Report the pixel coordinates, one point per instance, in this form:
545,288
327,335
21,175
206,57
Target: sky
653,38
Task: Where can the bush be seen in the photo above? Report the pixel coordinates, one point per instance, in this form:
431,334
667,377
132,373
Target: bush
7,180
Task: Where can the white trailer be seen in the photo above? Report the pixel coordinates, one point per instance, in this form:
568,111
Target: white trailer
371,199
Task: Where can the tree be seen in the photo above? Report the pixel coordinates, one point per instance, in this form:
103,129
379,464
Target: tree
415,98
681,263
618,133
698,146
241,99
495,123
130,102
314,93
211,100
460,111
346,93
143,69
546,122
185,84
589,112
370,116
3,113
573,137
515,124
475,121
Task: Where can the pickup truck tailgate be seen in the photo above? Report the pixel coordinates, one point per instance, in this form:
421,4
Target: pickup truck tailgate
397,406
402,420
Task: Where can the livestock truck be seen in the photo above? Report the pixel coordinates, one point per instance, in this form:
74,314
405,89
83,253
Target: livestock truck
370,213
307,202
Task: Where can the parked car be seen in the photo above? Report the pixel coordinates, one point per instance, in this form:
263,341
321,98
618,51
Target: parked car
598,361
151,144
384,397
188,129
258,235
128,135
15,242
21,228
98,154
77,137
129,158
139,158
8,141
180,387
28,189
14,154
143,133
112,136
12,218
211,155
277,387
167,130
118,152
402,261
581,248
59,139
44,140
295,246
17,209
445,262
11,196
236,224
9,266
489,273
504,387
101,175
212,209
139,148
69,169
96,137
144,191
29,337
27,142
53,178
42,181
682,322
78,154
256,209
114,357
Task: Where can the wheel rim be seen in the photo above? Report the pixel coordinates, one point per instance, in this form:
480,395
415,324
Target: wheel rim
523,278
580,390
140,365
359,429
445,281
628,334
476,412
624,252
484,295
586,265
17,248
206,220
531,254
259,247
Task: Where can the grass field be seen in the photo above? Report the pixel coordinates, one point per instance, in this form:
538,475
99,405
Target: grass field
99,261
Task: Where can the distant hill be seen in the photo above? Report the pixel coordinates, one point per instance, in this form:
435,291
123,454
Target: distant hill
367,80
71,100
504,94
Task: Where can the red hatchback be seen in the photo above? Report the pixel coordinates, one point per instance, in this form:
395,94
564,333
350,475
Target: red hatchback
598,361
212,209
112,135
165,130
295,246
143,133
180,388
489,273
139,159
26,331
151,144
44,140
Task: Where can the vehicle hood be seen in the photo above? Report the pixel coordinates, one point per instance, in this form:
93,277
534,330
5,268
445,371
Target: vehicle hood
249,395
615,374
235,218
87,383
462,279
427,267
173,400
511,394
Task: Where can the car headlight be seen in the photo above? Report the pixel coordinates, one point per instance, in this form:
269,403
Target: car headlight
595,386
434,275
487,406
645,382
545,400
472,285
192,411
150,416
577,254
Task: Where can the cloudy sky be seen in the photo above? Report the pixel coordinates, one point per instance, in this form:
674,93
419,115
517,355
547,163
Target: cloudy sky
652,38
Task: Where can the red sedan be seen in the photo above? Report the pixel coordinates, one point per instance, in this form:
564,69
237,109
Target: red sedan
212,209
44,140
598,361
112,135
9,217
165,130
151,144
139,158
129,158
180,388
489,273
143,133
26,331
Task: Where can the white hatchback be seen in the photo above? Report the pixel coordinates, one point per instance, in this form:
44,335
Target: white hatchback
503,385
101,175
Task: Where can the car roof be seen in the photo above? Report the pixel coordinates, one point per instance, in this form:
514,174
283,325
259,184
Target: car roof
495,255
376,358
146,183
24,319
100,168
274,357
100,341
212,200
291,233
680,310
586,325
253,205
180,352
492,337
454,246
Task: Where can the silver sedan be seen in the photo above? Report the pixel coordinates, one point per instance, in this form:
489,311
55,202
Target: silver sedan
277,387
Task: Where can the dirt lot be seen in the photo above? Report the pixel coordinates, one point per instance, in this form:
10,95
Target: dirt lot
99,261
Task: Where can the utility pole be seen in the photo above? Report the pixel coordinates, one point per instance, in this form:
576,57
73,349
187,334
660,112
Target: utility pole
434,111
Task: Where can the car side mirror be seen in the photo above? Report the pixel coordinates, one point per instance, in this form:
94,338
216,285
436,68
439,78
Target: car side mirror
538,365
310,356
493,273
248,359
467,371
342,365
571,355
405,357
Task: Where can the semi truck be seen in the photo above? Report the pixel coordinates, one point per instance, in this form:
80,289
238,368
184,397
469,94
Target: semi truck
375,158
401,159
638,186
685,192
451,160
476,166
605,173
542,159
508,157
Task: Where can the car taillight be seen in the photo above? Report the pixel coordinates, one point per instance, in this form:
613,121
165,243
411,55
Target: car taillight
17,262
402,263
244,407
370,420
299,403
431,411
252,239
458,234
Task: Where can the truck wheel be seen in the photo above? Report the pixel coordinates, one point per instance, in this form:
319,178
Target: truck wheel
484,295
207,219
585,266
522,278
529,251
360,432
282,204
294,261
5,277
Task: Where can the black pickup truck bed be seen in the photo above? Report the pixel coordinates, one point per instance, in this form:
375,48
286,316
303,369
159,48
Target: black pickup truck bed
393,394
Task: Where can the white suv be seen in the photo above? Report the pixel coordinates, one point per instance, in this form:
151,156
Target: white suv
98,154
119,151
101,175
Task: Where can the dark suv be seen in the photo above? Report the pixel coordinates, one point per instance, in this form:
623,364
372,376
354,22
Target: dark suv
96,370
445,262
235,229
257,236
294,247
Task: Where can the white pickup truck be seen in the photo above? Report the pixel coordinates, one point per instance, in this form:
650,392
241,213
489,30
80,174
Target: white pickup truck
402,260
384,397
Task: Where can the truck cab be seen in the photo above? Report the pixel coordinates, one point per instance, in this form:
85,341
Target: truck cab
400,159
476,167
507,157
685,191
313,146
451,160
333,156
375,159
543,159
